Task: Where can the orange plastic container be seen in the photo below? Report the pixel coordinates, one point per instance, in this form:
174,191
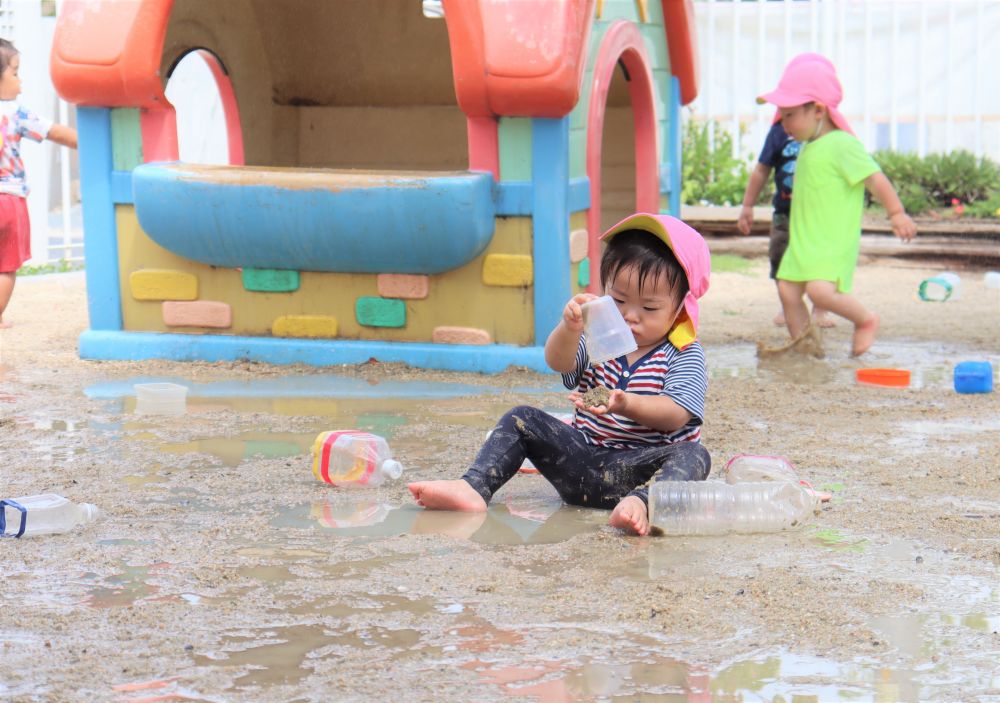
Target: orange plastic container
883,377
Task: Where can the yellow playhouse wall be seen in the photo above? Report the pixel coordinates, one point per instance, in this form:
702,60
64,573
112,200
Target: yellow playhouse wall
458,298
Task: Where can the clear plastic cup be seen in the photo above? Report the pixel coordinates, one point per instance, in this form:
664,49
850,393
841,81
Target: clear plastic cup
942,287
160,398
992,279
608,335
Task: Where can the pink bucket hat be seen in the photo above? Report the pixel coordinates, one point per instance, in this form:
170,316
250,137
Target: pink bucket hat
809,78
692,254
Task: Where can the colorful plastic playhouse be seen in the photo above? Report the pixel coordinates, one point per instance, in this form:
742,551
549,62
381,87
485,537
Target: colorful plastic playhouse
400,187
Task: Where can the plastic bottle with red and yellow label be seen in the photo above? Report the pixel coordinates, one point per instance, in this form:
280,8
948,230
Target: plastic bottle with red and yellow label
353,458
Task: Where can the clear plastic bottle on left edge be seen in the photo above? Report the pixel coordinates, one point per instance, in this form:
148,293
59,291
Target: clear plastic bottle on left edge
44,514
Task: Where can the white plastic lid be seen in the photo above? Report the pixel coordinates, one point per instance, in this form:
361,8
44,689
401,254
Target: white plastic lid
392,468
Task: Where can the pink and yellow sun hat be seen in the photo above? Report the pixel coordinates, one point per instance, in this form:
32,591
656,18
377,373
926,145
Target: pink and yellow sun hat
809,78
692,254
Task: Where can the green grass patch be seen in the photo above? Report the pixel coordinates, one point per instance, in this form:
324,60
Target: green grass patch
730,263
61,266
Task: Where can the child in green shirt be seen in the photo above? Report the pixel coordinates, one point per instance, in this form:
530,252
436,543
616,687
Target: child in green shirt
831,175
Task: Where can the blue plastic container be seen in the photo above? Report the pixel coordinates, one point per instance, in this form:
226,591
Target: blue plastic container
974,377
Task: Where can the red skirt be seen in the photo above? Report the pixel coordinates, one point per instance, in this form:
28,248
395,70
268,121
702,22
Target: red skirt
15,233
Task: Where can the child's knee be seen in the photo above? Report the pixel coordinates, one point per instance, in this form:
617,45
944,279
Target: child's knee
820,292
689,461
518,415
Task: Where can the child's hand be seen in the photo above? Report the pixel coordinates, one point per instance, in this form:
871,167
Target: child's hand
745,220
573,313
903,227
617,401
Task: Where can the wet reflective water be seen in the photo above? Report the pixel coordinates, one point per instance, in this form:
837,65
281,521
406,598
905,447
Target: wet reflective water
931,365
311,611
322,386
522,521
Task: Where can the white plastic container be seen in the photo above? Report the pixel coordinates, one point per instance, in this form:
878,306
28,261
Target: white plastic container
758,468
353,458
942,287
43,514
608,335
160,398
716,508
992,280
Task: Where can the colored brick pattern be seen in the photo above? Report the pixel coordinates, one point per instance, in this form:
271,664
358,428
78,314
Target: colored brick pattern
270,280
380,312
198,313
460,335
311,326
577,245
405,286
163,284
126,138
583,274
507,270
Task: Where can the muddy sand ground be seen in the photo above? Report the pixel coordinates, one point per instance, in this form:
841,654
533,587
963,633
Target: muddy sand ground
221,570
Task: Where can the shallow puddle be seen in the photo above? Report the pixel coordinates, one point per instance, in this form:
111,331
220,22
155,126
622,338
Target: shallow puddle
931,365
531,521
233,451
284,655
321,387
313,610
125,588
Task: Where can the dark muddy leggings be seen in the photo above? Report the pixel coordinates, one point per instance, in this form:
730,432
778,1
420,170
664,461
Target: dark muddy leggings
583,474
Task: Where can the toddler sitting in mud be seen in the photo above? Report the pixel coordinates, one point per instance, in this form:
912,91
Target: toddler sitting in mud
655,267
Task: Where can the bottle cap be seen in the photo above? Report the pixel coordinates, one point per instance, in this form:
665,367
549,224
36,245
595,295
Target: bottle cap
392,468
90,511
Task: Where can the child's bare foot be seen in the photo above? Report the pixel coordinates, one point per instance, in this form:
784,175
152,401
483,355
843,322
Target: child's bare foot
5,325
779,320
630,514
447,495
864,335
821,319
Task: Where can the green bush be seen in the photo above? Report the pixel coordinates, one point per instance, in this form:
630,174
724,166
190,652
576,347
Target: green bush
913,197
938,180
710,174
960,176
985,208
60,266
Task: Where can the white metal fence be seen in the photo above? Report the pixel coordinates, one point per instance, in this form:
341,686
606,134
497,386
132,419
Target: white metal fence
918,75
56,229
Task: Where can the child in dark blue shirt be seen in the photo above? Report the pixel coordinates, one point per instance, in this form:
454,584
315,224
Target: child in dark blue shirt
779,153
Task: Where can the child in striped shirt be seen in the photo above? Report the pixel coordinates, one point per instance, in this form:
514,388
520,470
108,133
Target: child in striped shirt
17,122
655,267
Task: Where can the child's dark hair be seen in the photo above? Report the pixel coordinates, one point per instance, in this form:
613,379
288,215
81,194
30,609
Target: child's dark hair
7,52
650,256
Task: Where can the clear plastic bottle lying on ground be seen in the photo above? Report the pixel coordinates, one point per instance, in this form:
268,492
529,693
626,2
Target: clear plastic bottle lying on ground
353,458
42,514
715,508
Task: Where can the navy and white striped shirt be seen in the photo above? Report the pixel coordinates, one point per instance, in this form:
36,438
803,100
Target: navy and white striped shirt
679,375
